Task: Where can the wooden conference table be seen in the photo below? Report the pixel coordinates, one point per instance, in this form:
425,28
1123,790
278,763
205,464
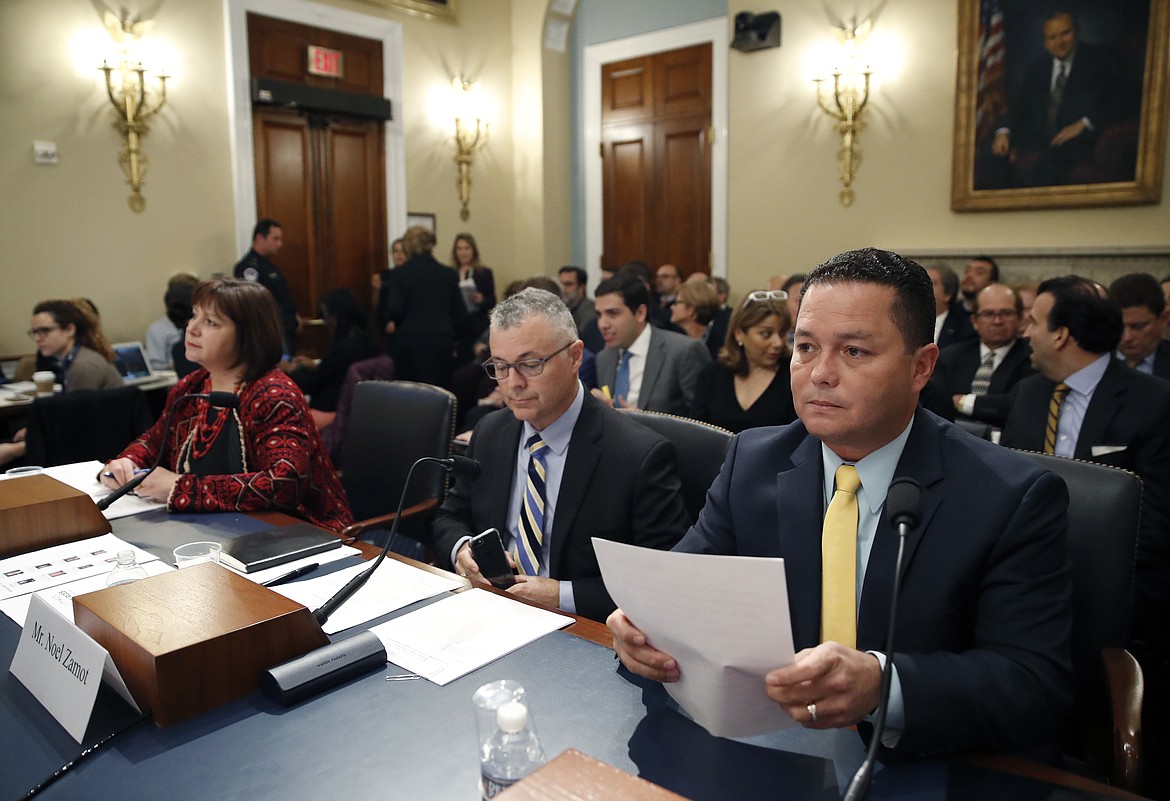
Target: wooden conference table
374,738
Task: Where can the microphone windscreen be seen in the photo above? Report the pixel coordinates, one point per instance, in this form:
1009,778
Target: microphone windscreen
225,400
904,502
465,467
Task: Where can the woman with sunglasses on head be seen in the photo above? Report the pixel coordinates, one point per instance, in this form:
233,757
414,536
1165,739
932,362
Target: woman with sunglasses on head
264,454
748,385
70,342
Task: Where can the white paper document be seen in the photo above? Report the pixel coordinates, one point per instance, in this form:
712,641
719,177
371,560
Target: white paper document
392,586
61,596
724,619
61,564
454,636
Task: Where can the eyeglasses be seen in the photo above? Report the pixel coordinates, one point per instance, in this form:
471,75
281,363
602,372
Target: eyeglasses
761,295
44,331
992,314
529,368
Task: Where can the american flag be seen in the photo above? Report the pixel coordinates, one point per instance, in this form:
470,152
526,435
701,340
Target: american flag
991,97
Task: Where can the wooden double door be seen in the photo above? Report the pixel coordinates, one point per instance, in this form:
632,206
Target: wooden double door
656,139
322,175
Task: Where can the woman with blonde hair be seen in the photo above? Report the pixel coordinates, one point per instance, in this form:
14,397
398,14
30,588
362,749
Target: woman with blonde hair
695,305
69,335
748,386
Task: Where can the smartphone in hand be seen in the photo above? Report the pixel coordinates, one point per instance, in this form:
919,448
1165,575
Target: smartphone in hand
488,551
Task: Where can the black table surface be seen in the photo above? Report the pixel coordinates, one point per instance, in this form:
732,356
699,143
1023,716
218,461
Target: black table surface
374,738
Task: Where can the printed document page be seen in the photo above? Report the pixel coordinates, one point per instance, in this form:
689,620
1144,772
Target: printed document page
725,621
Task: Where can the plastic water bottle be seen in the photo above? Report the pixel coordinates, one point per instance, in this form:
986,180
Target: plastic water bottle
126,570
511,753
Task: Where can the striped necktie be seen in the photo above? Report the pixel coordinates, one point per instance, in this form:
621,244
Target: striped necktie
839,561
1057,95
982,380
1058,396
527,549
621,384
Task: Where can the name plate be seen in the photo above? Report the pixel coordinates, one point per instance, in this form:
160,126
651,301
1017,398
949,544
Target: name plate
63,667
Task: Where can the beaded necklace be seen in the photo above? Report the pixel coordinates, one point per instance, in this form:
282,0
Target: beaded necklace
205,430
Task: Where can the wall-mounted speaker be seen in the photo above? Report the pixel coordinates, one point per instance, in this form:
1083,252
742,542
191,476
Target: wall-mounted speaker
756,31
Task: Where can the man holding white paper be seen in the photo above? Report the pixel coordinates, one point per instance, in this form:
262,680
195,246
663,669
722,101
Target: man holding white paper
983,618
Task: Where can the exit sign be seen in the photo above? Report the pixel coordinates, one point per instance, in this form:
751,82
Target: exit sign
325,62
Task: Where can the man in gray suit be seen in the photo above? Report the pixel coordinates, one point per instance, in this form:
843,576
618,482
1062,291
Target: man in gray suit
643,366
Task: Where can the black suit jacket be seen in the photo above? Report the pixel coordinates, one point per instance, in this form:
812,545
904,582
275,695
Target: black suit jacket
1162,360
956,327
620,483
956,368
422,297
986,588
1129,414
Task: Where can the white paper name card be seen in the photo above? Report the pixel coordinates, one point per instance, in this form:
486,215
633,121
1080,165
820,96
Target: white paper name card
63,667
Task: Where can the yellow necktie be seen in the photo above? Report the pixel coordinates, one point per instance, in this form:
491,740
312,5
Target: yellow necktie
1058,396
839,561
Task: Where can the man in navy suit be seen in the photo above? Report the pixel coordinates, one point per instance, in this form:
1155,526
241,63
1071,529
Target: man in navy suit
996,318
1110,414
604,475
986,590
1144,317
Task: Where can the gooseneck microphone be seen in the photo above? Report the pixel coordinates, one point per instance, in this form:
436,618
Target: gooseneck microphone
460,466
904,511
224,400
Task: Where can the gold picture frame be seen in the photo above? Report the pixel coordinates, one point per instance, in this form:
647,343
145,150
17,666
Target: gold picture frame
1122,162
446,10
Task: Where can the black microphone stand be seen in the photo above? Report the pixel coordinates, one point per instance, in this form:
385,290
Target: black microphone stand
460,464
909,493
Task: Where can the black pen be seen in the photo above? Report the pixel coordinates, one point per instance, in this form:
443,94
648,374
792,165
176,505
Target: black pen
296,574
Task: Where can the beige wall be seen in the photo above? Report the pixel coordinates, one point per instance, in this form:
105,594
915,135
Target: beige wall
784,212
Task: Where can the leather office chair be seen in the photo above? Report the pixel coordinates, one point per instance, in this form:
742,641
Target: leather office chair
378,368
701,448
84,425
392,424
1105,727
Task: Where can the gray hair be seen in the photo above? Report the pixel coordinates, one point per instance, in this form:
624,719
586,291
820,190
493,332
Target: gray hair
527,302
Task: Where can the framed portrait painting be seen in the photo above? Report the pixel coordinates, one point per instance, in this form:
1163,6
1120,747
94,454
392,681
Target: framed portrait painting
1060,105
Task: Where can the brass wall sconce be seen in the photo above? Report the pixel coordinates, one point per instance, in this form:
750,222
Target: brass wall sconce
132,103
845,103
127,90
468,140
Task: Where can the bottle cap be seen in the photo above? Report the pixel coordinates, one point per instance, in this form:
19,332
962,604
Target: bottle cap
126,557
512,717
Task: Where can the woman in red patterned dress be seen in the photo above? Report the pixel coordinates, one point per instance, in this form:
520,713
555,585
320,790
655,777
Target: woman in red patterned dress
264,455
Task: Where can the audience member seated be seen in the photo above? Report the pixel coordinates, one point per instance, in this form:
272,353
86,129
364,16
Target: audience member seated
264,455
421,307
352,339
69,338
642,365
722,319
576,468
573,290
979,272
985,594
1144,317
167,331
952,322
748,386
693,309
978,375
1087,404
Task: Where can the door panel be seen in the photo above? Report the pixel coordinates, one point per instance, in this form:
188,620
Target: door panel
656,152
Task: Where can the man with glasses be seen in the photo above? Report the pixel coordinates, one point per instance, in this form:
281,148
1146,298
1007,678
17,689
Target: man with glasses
978,375
559,468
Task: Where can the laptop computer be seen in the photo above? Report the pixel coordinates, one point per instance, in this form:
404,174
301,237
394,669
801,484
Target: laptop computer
130,359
